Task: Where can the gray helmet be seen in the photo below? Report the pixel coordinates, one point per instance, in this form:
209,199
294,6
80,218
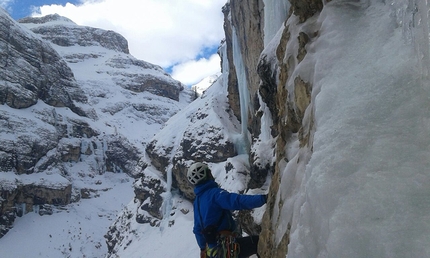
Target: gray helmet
197,173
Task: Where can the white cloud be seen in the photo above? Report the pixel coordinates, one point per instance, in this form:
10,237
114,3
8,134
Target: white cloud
163,32
5,4
194,71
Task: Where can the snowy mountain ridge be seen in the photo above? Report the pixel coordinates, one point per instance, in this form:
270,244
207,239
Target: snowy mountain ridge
204,84
76,107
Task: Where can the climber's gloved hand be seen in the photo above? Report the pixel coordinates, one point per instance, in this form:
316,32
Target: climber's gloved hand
203,253
265,198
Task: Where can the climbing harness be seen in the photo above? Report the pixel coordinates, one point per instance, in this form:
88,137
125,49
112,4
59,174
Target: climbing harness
226,247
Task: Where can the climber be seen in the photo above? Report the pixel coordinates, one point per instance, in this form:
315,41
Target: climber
214,226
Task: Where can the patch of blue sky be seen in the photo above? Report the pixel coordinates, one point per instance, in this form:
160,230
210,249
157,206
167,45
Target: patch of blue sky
169,69
19,9
205,52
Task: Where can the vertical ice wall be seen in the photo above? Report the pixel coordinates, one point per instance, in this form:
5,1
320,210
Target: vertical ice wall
275,13
243,143
224,61
364,191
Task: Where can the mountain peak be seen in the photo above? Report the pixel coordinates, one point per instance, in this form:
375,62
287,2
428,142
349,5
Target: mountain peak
48,19
64,32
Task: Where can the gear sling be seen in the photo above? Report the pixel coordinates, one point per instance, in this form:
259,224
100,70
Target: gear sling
226,245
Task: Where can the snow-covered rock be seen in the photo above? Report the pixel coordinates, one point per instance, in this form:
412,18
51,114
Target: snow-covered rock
33,70
70,96
204,84
107,48
205,130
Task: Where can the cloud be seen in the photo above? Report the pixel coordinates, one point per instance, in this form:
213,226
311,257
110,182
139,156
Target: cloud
194,71
163,32
5,4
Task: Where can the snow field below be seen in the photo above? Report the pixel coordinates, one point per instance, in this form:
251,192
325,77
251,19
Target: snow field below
75,230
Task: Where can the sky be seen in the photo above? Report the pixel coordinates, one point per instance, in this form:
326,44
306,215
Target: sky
182,36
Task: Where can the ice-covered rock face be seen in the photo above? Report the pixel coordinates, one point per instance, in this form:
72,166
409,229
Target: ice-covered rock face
331,94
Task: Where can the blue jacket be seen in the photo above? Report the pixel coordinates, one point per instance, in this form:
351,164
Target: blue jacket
212,207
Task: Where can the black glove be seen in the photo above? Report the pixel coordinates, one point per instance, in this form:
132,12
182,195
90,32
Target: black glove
265,198
203,253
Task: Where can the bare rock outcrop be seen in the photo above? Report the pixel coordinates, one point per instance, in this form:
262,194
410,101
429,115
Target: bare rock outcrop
33,70
20,195
64,32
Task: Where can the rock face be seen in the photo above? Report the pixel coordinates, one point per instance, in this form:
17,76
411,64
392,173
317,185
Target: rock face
24,198
287,99
246,23
58,123
272,92
66,34
243,21
32,70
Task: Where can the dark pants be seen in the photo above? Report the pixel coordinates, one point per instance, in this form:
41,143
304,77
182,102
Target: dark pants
248,246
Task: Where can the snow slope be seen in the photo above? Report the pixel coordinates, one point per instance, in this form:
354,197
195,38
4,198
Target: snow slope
75,230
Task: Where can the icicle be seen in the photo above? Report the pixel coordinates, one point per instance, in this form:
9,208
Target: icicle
104,148
413,17
242,144
84,146
422,36
166,208
225,66
275,13
36,208
69,128
20,209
